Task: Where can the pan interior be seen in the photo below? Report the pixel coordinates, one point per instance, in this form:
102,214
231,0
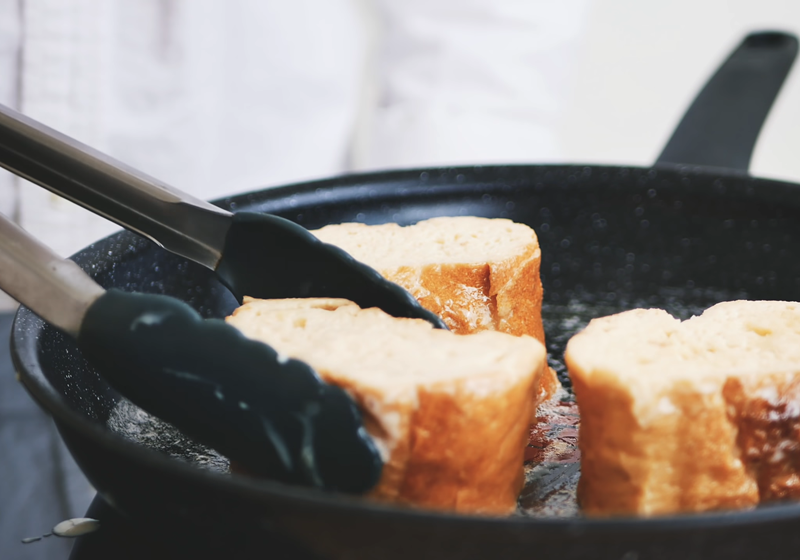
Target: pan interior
612,239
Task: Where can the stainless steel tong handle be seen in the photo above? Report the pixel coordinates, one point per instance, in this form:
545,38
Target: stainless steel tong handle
173,219
57,289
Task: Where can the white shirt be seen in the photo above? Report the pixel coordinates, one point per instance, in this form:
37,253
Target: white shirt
223,97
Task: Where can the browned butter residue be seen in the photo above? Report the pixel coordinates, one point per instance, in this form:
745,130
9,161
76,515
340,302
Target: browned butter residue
554,436
768,419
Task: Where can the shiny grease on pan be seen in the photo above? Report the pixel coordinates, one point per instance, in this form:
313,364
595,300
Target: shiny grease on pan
135,424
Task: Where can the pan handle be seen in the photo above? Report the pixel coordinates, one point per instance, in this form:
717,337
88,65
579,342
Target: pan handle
721,127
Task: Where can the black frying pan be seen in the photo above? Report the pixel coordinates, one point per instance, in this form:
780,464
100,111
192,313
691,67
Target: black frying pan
673,236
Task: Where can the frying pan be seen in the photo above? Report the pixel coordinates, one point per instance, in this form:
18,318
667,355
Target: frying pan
681,237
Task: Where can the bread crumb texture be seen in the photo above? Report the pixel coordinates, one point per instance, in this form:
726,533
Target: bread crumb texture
688,416
449,413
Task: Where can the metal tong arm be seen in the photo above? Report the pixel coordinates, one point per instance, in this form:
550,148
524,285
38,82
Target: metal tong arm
175,220
57,289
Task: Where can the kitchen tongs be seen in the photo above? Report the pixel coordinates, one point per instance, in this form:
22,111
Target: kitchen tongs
271,415
254,254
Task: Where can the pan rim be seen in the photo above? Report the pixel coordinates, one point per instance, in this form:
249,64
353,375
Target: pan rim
23,350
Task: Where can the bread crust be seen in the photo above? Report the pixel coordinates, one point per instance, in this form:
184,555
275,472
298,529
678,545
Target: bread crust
452,444
688,417
460,452
767,414
504,297
681,462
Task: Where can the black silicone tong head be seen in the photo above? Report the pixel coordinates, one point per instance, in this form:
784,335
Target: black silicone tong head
267,256
255,255
270,414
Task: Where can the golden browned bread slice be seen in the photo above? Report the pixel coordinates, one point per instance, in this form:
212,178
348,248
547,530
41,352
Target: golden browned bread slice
688,416
475,273
449,413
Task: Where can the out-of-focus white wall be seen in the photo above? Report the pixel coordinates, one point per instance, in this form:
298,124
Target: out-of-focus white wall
631,70
641,64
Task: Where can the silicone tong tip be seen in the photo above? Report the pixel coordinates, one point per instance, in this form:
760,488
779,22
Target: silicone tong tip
266,256
274,417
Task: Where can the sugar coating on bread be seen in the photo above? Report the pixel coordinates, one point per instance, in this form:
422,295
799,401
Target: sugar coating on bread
449,413
475,273
689,415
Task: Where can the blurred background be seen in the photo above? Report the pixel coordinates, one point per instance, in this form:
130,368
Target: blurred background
223,97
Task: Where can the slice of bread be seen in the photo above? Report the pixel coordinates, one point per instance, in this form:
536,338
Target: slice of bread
688,416
477,274
449,413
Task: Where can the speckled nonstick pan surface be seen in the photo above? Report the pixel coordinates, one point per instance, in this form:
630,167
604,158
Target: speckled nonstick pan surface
612,238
